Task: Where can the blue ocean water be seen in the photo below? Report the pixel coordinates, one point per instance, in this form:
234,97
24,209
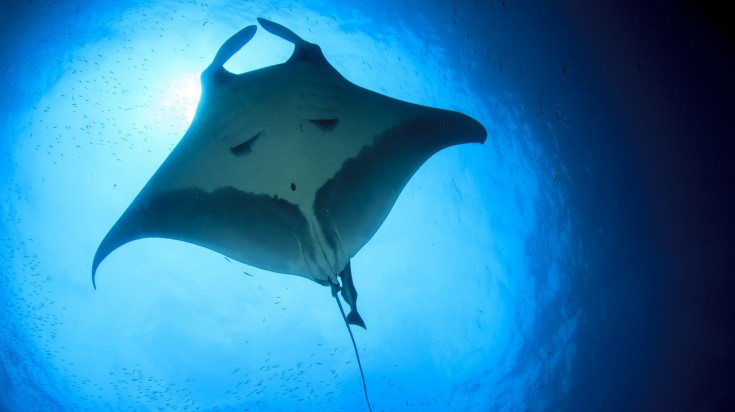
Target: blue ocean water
525,274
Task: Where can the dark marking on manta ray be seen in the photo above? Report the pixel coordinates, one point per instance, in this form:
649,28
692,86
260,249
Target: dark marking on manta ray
392,150
325,124
201,218
246,146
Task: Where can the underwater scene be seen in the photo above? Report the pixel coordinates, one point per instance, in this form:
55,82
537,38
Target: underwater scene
366,206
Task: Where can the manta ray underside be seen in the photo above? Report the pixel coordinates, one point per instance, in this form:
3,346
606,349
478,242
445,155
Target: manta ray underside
290,168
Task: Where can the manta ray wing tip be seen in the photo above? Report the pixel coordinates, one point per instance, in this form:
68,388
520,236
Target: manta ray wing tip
94,272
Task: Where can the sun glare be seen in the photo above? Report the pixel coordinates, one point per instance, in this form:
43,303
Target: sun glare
181,97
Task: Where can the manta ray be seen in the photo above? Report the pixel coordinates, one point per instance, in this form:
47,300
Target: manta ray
290,168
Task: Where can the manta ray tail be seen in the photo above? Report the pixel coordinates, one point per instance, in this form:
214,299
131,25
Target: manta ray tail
349,294
354,345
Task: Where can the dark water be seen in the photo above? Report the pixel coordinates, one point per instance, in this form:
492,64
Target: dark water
579,260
